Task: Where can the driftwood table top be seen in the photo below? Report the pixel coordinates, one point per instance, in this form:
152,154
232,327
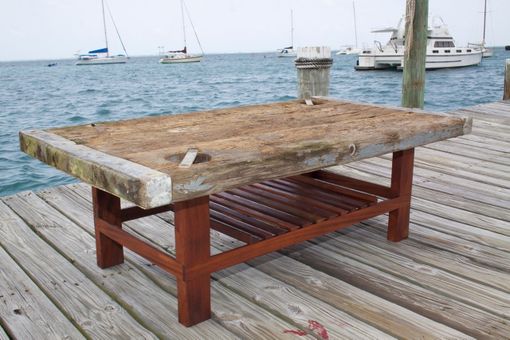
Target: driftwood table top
139,159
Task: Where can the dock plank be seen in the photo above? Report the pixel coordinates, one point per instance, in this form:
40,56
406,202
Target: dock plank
474,257
96,313
467,319
460,190
157,310
24,308
389,317
430,277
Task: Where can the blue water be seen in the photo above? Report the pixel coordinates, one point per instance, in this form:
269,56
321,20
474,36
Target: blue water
33,95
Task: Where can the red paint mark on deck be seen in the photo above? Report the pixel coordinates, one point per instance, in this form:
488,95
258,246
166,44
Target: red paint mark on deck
319,329
296,332
314,326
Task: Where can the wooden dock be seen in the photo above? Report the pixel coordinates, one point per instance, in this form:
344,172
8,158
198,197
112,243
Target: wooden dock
450,279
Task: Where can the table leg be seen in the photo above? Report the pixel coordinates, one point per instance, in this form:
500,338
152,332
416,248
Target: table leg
106,209
401,186
192,247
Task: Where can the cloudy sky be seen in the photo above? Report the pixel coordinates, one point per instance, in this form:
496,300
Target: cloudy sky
50,29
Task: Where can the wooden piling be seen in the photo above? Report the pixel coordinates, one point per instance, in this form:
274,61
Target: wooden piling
506,94
413,85
313,65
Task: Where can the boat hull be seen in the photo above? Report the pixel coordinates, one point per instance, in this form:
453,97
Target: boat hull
190,59
433,61
102,61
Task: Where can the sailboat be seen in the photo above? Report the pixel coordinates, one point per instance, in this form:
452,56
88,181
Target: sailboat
102,56
352,49
289,51
182,56
486,52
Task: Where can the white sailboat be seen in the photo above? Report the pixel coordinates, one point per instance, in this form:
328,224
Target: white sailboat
102,56
289,52
486,52
182,56
347,50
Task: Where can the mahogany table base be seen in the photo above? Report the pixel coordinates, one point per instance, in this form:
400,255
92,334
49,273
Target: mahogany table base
266,216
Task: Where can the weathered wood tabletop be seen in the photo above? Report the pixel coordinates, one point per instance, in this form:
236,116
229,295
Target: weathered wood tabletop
138,159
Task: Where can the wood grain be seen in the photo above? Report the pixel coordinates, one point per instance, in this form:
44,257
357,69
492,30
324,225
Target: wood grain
90,308
24,308
139,298
279,140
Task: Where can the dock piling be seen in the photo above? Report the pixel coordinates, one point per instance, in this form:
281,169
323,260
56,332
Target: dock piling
506,94
413,84
313,66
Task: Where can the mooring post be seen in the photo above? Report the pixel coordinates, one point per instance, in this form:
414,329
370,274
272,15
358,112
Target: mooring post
313,65
506,94
416,31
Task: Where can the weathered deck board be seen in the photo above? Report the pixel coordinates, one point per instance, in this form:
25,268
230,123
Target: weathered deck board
450,279
432,278
93,310
24,308
157,310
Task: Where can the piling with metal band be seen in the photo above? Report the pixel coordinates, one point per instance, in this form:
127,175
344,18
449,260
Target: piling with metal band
506,94
313,66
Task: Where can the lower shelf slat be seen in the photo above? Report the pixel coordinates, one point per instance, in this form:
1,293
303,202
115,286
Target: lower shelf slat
264,210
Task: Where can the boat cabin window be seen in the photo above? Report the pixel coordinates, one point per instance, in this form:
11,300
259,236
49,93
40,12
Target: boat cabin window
435,51
468,51
459,51
446,51
444,44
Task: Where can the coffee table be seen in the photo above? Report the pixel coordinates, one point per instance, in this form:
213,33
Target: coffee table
256,173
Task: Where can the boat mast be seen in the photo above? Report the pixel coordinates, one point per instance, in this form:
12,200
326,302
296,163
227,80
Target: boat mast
104,26
292,28
183,23
355,25
484,22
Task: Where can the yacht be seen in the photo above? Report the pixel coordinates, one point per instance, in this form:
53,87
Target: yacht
441,50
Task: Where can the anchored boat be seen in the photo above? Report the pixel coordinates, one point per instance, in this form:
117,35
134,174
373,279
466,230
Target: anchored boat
289,52
348,50
486,52
182,56
441,50
102,56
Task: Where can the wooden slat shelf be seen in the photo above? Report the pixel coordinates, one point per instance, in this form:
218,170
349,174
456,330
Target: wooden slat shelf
251,213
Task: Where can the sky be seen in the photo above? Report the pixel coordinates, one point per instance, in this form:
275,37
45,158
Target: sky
52,29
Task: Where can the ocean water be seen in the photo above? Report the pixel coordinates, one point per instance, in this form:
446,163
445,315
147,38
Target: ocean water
33,95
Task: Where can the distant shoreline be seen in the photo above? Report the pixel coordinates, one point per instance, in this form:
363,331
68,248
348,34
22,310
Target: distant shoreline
134,56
